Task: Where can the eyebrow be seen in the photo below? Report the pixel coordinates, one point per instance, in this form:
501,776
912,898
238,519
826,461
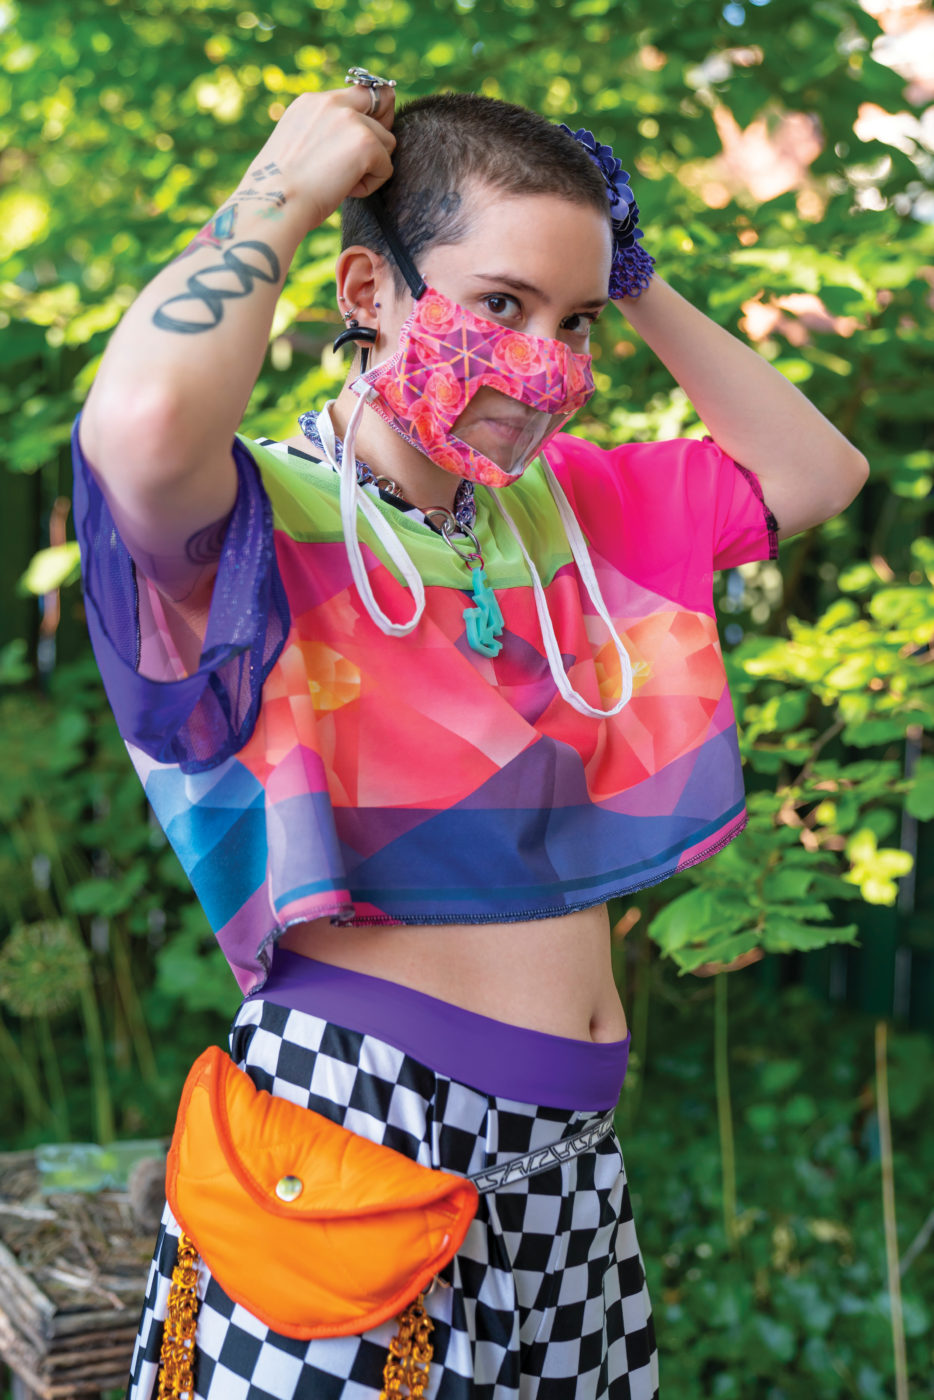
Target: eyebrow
506,279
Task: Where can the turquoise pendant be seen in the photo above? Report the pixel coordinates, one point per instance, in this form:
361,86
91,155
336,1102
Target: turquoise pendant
485,621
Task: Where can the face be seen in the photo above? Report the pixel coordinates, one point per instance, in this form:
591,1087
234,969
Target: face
539,265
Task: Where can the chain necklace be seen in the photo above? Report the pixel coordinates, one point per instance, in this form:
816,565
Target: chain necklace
465,505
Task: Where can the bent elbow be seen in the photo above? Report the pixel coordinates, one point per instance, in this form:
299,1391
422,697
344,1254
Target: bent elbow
861,469
858,475
851,476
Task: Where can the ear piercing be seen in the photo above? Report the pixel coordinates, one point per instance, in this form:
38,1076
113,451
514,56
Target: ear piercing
356,333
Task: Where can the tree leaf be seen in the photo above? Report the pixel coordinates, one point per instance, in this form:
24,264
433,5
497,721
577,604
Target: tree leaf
785,935
51,568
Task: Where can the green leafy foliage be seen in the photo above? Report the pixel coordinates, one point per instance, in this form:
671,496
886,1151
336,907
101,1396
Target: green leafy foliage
50,569
801,1309
107,951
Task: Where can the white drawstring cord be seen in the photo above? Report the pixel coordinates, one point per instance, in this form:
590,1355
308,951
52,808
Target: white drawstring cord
578,545
353,496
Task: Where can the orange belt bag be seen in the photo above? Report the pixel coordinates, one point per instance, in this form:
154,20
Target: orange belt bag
317,1231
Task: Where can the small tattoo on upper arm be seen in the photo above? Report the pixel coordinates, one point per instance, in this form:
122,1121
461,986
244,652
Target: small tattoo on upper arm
211,296
206,546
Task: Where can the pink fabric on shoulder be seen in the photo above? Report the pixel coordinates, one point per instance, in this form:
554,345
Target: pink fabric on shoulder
667,514
158,655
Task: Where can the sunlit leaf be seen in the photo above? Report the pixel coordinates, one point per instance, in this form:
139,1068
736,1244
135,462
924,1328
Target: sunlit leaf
52,568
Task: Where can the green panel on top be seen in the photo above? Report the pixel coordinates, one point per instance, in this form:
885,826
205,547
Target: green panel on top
305,498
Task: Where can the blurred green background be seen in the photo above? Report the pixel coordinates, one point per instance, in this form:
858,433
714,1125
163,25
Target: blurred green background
781,153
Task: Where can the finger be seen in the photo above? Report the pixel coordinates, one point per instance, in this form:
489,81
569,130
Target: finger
377,172
369,183
386,111
361,100
353,95
383,136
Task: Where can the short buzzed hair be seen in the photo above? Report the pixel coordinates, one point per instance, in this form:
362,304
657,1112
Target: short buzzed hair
448,139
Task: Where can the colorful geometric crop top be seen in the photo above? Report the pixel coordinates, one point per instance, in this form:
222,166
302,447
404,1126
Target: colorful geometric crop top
313,766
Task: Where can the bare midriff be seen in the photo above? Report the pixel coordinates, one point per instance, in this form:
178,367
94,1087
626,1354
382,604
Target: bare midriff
552,975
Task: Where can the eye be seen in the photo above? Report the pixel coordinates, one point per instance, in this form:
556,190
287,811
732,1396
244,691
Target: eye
501,306
580,323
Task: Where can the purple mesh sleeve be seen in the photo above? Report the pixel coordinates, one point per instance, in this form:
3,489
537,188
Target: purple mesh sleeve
197,721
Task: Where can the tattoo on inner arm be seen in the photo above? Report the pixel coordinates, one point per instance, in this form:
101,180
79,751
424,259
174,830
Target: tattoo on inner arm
209,296
206,546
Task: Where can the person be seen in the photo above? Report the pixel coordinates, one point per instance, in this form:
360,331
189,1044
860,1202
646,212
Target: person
414,692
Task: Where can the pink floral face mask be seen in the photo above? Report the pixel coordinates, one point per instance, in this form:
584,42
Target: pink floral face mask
446,355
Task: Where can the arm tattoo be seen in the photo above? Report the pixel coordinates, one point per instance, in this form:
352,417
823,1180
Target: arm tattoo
215,232
277,197
209,294
220,228
265,172
206,546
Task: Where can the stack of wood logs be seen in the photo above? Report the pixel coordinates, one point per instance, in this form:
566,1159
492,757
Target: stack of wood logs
73,1270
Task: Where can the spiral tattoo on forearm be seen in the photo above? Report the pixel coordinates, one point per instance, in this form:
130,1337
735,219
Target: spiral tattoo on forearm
211,296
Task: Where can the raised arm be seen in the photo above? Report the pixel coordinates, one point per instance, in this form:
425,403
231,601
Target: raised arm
177,374
808,470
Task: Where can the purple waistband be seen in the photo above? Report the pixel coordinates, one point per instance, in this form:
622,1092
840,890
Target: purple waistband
492,1056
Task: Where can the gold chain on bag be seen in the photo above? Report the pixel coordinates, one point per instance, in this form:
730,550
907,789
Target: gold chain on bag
176,1369
407,1364
410,1353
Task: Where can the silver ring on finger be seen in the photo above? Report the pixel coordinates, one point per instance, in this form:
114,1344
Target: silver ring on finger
361,77
376,94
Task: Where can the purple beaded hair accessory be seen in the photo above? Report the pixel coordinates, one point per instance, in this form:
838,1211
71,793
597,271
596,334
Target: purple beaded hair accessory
632,266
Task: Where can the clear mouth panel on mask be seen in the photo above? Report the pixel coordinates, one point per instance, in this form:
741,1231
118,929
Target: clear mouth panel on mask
509,441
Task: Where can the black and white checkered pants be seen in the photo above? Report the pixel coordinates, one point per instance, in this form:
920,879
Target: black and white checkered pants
546,1298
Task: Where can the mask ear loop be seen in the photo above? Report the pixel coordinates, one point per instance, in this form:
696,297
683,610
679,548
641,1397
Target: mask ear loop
582,559
414,279
353,496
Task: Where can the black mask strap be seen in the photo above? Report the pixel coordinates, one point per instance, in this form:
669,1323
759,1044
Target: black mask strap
416,283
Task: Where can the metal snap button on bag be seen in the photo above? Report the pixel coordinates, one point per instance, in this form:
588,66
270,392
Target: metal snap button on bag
289,1188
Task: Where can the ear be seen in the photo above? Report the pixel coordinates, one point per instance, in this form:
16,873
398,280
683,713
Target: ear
361,278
